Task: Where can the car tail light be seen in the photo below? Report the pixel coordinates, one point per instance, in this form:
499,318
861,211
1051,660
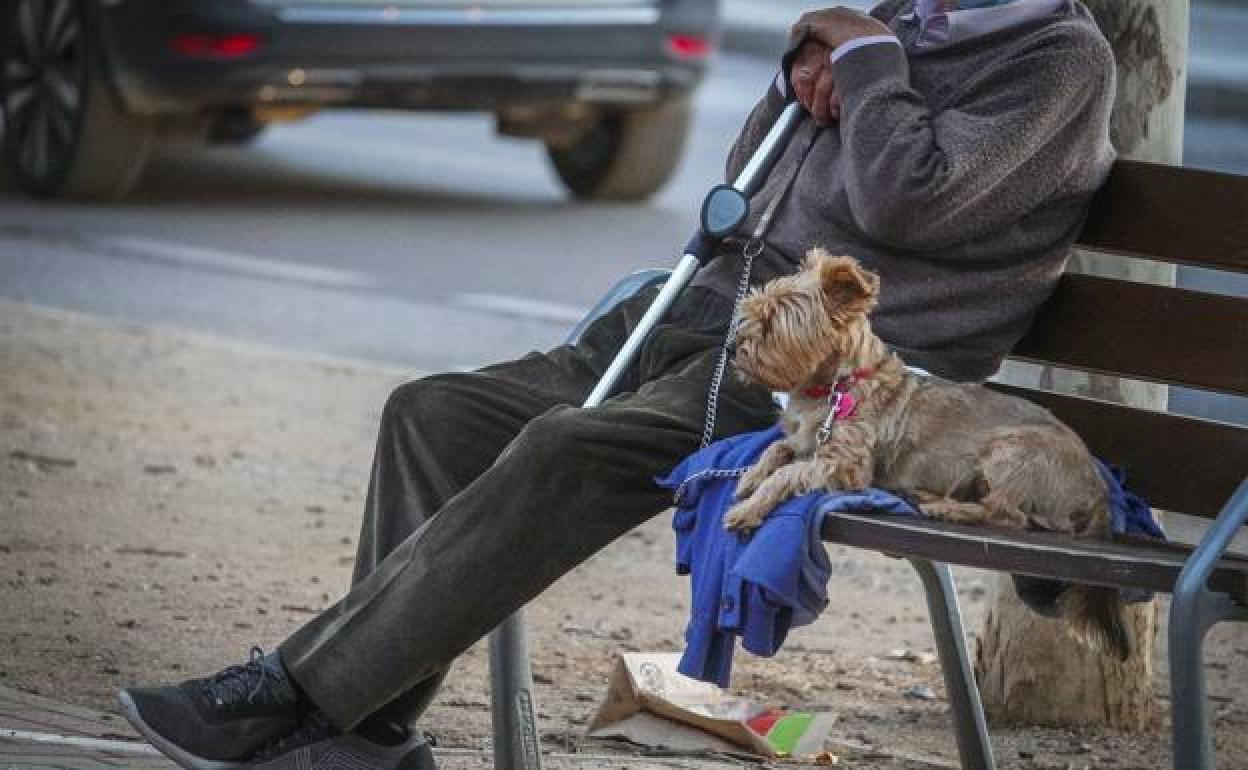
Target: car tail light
688,46
210,46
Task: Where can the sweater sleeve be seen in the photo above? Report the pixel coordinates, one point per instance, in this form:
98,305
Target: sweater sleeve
925,180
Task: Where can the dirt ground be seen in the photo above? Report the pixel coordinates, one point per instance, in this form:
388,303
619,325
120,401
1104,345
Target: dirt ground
168,500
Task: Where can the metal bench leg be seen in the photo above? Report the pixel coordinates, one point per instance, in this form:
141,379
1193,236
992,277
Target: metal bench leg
968,712
1193,611
1190,620
517,745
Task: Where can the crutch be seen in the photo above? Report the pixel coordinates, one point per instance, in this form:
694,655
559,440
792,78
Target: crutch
516,741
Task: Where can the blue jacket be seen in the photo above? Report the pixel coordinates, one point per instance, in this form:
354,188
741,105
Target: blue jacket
758,587
753,587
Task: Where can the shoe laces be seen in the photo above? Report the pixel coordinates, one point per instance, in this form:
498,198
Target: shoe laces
244,683
314,727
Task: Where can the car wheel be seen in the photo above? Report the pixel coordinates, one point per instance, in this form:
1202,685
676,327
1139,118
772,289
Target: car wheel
5,176
65,133
625,156
235,127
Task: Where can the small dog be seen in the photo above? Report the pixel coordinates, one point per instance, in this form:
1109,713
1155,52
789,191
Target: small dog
856,417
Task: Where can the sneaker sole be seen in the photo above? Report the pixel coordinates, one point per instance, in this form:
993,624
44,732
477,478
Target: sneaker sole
419,758
347,754
179,755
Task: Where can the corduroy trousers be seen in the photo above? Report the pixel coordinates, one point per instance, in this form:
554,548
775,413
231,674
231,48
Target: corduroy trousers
488,486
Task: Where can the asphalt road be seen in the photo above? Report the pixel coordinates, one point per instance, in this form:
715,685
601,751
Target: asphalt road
413,239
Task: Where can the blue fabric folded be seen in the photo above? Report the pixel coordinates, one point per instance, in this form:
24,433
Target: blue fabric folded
1128,513
755,587
758,587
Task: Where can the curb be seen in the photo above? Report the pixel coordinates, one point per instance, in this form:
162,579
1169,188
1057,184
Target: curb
1207,97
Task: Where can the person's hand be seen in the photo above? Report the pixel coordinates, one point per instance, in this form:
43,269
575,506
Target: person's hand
813,85
834,27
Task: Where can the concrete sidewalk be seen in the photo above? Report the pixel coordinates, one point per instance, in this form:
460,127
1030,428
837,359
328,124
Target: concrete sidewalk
169,499
43,734
1217,59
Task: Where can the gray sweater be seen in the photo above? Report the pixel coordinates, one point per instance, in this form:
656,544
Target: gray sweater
961,175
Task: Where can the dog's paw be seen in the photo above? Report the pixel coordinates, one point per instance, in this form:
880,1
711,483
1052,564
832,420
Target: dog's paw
748,483
848,477
743,518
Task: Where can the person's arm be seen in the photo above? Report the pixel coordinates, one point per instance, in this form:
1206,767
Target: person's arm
922,180
815,39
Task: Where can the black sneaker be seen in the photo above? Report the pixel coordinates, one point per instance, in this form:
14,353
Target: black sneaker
314,728
317,745
218,722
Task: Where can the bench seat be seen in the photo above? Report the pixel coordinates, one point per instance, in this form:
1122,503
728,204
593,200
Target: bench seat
1129,562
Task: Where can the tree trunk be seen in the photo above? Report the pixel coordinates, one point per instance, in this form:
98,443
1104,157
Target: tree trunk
1029,669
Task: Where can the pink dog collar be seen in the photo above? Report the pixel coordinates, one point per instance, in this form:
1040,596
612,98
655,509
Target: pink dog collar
839,396
842,386
844,407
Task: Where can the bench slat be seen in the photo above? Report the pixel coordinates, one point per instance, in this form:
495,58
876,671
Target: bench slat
1171,214
1143,331
1039,554
1182,464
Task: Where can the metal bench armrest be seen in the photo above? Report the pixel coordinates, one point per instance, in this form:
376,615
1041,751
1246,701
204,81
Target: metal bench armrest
1213,546
1195,609
627,287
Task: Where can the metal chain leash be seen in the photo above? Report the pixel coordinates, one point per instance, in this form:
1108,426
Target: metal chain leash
710,473
753,247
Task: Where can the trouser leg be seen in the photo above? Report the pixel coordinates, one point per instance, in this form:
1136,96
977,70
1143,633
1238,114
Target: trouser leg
436,436
440,433
572,481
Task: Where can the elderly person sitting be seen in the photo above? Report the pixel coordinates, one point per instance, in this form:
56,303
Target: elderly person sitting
955,147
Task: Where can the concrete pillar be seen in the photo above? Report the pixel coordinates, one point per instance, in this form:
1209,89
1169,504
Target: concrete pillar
1028,668
1149,38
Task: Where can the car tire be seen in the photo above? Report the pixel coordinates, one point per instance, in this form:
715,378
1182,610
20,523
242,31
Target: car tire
235,127
66,132
625,156
6,179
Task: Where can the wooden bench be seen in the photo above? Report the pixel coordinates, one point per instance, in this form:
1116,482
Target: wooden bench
1181,464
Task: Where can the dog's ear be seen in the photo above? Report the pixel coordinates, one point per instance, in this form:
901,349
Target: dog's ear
759,308
846,283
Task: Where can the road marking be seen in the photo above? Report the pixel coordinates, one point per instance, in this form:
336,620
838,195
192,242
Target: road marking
519,306
99,744
229,262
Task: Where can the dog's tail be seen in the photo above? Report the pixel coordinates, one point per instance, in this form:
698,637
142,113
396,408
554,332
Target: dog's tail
1096,618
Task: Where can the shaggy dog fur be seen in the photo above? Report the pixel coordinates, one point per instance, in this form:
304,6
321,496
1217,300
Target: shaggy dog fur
964,453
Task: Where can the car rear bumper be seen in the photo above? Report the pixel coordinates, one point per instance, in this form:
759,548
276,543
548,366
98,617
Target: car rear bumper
439,56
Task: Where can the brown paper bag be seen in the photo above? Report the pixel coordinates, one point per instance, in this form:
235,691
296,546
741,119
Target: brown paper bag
650,703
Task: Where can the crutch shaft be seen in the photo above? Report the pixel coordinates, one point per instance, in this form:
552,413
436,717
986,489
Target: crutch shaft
748,182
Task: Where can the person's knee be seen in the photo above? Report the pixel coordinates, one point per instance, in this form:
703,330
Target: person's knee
430,402
555,440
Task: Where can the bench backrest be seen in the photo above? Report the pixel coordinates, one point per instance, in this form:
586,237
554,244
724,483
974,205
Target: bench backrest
1154,333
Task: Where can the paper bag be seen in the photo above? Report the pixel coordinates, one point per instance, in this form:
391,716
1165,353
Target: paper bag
650,703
